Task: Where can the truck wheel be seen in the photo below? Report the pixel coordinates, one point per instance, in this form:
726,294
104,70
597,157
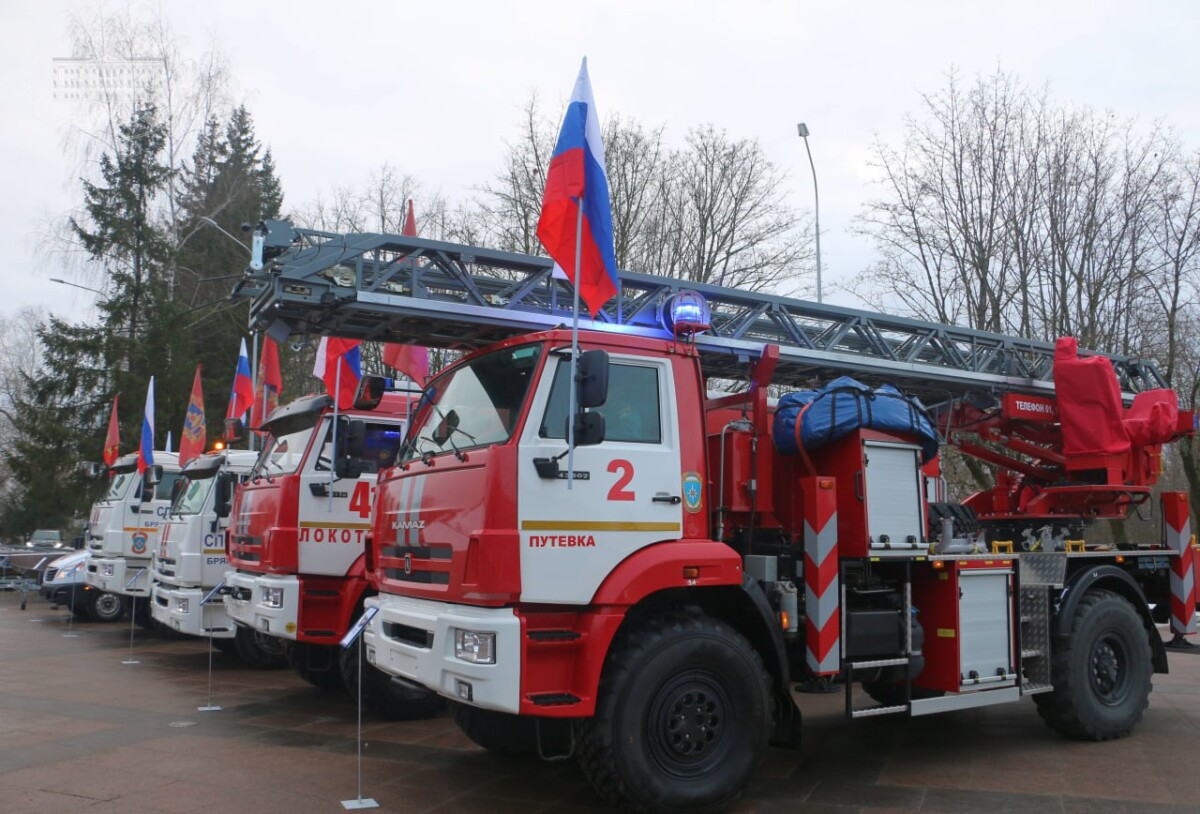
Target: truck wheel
316,664
1102,675
391,700
499,732
258,650
105,607
682,717
139,606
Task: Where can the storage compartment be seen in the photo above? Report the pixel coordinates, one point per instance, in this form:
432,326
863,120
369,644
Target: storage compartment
881,507
967,610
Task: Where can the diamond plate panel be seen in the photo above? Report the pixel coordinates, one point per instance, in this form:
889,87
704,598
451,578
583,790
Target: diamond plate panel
1035,638
1043,568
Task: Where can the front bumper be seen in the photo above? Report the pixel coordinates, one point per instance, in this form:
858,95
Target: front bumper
211,620
118,575
69,594
414,639
244,602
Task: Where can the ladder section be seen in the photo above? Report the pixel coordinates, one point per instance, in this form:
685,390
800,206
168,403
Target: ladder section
410,290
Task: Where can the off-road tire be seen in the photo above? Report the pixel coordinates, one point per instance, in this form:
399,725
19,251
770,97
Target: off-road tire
310,665
258,650
105,607
139,607
499,732
1101,676
683,716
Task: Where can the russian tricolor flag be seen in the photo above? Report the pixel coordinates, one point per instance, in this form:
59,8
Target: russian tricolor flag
575,182
242,396
146,448
339,365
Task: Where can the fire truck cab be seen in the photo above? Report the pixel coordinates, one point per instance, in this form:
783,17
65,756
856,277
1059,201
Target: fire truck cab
298,526
191,560
124,528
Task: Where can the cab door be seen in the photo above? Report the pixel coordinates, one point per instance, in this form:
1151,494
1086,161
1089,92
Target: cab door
626,493
334,514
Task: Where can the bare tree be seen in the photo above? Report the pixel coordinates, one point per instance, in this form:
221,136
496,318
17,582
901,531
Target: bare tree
712,210
186,90
1003,211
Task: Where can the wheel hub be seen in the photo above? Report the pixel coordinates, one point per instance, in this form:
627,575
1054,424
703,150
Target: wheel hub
693,723
688,724
1108,679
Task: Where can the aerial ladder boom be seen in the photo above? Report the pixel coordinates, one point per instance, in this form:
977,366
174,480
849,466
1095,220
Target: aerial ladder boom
411,290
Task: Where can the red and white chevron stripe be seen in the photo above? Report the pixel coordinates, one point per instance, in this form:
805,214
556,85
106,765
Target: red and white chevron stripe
821,591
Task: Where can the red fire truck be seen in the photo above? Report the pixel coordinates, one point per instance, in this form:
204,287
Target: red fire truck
646,597
297,527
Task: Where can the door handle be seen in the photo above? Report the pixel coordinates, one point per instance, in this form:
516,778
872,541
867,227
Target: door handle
671,499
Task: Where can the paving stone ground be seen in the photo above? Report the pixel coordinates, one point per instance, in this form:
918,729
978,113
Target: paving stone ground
82,732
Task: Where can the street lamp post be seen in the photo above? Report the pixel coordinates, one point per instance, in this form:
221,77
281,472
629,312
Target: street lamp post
802,129
76,285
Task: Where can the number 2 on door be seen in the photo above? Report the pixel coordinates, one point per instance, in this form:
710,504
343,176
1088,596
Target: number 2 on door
618,490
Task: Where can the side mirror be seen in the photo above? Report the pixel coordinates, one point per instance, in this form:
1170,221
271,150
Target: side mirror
151,478
91,469
223,493
370,392
349,443
234,431
445,428
589,429
591,377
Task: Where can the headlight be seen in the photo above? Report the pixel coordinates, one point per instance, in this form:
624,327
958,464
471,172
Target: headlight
475,647
272,597
181,604
107,569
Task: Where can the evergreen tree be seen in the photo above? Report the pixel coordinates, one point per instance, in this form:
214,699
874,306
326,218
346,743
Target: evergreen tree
232,181
62,417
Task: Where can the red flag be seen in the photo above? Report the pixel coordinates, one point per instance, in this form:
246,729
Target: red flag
410,222
269,384
411,360
112,442
191,441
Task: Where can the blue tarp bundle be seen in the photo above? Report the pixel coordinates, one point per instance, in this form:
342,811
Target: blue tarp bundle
843,406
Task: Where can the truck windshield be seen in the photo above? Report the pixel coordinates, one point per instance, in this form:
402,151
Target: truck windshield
118,487
192,498
474,405
166,486
284,452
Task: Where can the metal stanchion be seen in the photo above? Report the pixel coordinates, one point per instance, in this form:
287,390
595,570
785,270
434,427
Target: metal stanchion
209,707
355,635
71,634
132,615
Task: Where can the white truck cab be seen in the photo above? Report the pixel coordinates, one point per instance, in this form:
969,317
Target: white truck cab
190,560
124,529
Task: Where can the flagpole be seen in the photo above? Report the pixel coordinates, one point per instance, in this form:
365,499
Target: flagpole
574,347
337,390
254,378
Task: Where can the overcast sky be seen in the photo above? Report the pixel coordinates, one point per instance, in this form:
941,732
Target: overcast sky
435,87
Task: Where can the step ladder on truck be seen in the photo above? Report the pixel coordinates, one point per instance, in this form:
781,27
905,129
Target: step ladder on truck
647,598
